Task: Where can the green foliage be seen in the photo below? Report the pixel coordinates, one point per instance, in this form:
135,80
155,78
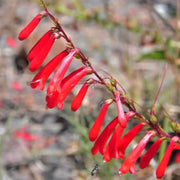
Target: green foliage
154,55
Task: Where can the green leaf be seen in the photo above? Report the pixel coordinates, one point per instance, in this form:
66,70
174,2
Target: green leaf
154,55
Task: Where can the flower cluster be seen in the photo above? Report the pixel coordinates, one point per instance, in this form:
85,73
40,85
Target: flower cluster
110,141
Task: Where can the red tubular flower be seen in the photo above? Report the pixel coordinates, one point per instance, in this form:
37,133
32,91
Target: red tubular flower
146,158
39,45
129,163
40,57
67,85
52,99
94,131
41,77
77,101
31,26
59,74
100,143
121,115
112,147
164,162
112,150
127,138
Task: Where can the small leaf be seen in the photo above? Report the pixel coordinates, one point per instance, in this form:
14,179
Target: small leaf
154,55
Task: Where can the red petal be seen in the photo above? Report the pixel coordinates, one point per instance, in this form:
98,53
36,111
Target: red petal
112,147
39,45
121,115
127,138
77,101
31,26
100,143
94,131
135,153
164,162
67,85
59,74
38,60
144,162
41,77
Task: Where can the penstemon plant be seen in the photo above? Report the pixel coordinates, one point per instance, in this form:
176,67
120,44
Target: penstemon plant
110,142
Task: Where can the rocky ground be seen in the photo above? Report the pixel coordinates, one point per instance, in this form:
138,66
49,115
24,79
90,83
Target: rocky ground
60,149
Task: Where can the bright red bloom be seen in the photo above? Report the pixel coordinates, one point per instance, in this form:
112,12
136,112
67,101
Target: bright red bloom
41,77
31,26
146,158
36,49
59,74
127,138
164,162
112,147
94,131
121,115
40,57
112,150
129,163
52,99
68,83
77,101
100,143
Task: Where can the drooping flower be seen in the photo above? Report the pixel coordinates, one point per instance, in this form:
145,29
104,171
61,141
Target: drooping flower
52,99
112,147
59,74
68,83
120,110
36,49
77,101
129,162
94,131
127,138
41,77
100,143
31,26
146,158
164,162
40,57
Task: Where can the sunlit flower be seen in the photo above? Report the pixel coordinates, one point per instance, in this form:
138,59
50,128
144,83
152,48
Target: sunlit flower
120,110
59,74
113,144
111,149
94,131
164,162
37,61
31,26
127,138
100,143
77,101
68,83
129,162
36,49
41,77
146,158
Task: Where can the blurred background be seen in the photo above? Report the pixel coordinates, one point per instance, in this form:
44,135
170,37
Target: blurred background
132,40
